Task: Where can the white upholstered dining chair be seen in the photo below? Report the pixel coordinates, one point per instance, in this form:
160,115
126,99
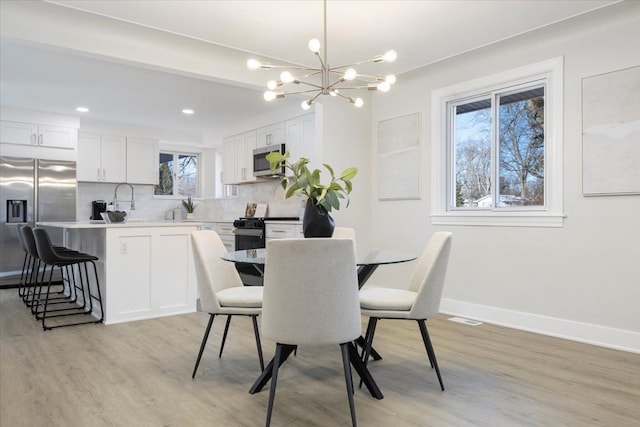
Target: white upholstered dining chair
221,290
311,297
345,233
419,300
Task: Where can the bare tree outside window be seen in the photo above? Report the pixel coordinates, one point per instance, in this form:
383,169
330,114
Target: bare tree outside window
517,149
177,175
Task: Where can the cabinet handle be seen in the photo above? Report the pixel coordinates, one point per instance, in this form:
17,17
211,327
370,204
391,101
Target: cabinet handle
278,231
269,139
34,139
104,174
40,139
98,174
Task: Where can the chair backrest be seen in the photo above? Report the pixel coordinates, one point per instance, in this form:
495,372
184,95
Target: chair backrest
20,238
428,276
212,272
29,241
43,244
345,233
311,292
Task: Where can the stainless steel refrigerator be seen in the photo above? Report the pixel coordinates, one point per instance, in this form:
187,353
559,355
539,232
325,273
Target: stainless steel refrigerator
32,191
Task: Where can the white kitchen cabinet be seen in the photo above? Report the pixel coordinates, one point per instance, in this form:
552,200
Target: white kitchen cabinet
142,161
102,158
300,136
271,135
244,145
283,230
237,164
228,175
37,135
224,230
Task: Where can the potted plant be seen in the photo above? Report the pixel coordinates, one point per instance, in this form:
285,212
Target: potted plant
189,206
321,198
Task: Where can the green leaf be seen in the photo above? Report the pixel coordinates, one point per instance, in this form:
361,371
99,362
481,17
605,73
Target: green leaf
349,173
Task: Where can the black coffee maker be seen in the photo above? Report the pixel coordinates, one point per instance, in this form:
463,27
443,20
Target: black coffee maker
97,207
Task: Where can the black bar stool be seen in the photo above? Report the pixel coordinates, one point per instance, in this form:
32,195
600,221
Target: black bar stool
72,261
33,281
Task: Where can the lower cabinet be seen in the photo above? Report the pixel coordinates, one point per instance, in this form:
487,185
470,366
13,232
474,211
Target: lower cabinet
283,230
144,272
224,230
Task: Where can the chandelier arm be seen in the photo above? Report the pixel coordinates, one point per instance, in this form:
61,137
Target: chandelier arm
310,84
299,92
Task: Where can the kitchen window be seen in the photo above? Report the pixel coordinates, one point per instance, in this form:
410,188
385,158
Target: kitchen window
497,149
178,174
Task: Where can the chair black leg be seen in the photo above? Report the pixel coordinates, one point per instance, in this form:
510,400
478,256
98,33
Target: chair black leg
203,344
346,362
366,351
224,335
274,380
430,352
258,343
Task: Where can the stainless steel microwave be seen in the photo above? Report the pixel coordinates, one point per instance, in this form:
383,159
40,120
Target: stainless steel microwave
261,166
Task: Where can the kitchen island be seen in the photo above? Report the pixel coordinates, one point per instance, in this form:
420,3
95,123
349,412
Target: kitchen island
145,269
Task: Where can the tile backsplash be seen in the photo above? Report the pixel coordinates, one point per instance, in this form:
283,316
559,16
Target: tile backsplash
151,208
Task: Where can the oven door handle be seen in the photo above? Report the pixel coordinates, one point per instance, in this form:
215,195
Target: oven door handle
248,232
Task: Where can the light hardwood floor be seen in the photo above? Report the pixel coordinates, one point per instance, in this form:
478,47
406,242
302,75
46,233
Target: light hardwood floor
139,374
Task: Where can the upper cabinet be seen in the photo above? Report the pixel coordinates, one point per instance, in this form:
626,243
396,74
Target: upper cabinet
237,163
101,158
114,158
271,135
142,161
298,135
38,141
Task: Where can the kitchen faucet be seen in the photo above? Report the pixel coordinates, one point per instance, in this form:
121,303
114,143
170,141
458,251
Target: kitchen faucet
115,197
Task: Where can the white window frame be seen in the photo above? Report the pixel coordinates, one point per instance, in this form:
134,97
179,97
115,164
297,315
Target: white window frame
176,151
551,215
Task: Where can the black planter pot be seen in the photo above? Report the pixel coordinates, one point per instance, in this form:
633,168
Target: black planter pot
316,221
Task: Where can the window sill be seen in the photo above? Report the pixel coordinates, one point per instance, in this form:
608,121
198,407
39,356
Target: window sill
501,219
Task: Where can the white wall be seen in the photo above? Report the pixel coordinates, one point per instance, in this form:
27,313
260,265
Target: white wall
581,281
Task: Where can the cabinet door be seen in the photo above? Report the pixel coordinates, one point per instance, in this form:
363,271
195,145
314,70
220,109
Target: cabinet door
228,161
300,137
249,146
240,158
142,161
113,154
56,136
88,166
271,135
18,133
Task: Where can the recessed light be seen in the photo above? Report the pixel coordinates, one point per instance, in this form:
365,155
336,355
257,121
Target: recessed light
187,111
82,109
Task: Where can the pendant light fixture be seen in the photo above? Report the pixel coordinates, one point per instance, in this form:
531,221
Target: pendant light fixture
325,80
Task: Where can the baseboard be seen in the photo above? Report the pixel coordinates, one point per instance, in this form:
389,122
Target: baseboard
618,339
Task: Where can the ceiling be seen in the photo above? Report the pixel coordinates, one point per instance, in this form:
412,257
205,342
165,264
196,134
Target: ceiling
422,32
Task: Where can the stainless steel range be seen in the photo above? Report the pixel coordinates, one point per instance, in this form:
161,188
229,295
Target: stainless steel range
250,234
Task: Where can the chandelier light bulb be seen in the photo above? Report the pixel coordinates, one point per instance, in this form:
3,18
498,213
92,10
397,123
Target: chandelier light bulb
286,77
383,86
253,64
269,95
334,92
391,79
314,46
390,56
350,74
358,102
272,84
305,105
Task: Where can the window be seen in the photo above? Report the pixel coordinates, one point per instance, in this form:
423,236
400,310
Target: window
497,149
178,175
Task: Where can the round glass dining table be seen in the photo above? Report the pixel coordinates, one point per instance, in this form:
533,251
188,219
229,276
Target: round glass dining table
366,265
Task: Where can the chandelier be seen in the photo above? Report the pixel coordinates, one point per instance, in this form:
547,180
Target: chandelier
325,80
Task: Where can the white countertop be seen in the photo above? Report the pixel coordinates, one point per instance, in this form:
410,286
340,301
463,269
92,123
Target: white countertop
128,224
